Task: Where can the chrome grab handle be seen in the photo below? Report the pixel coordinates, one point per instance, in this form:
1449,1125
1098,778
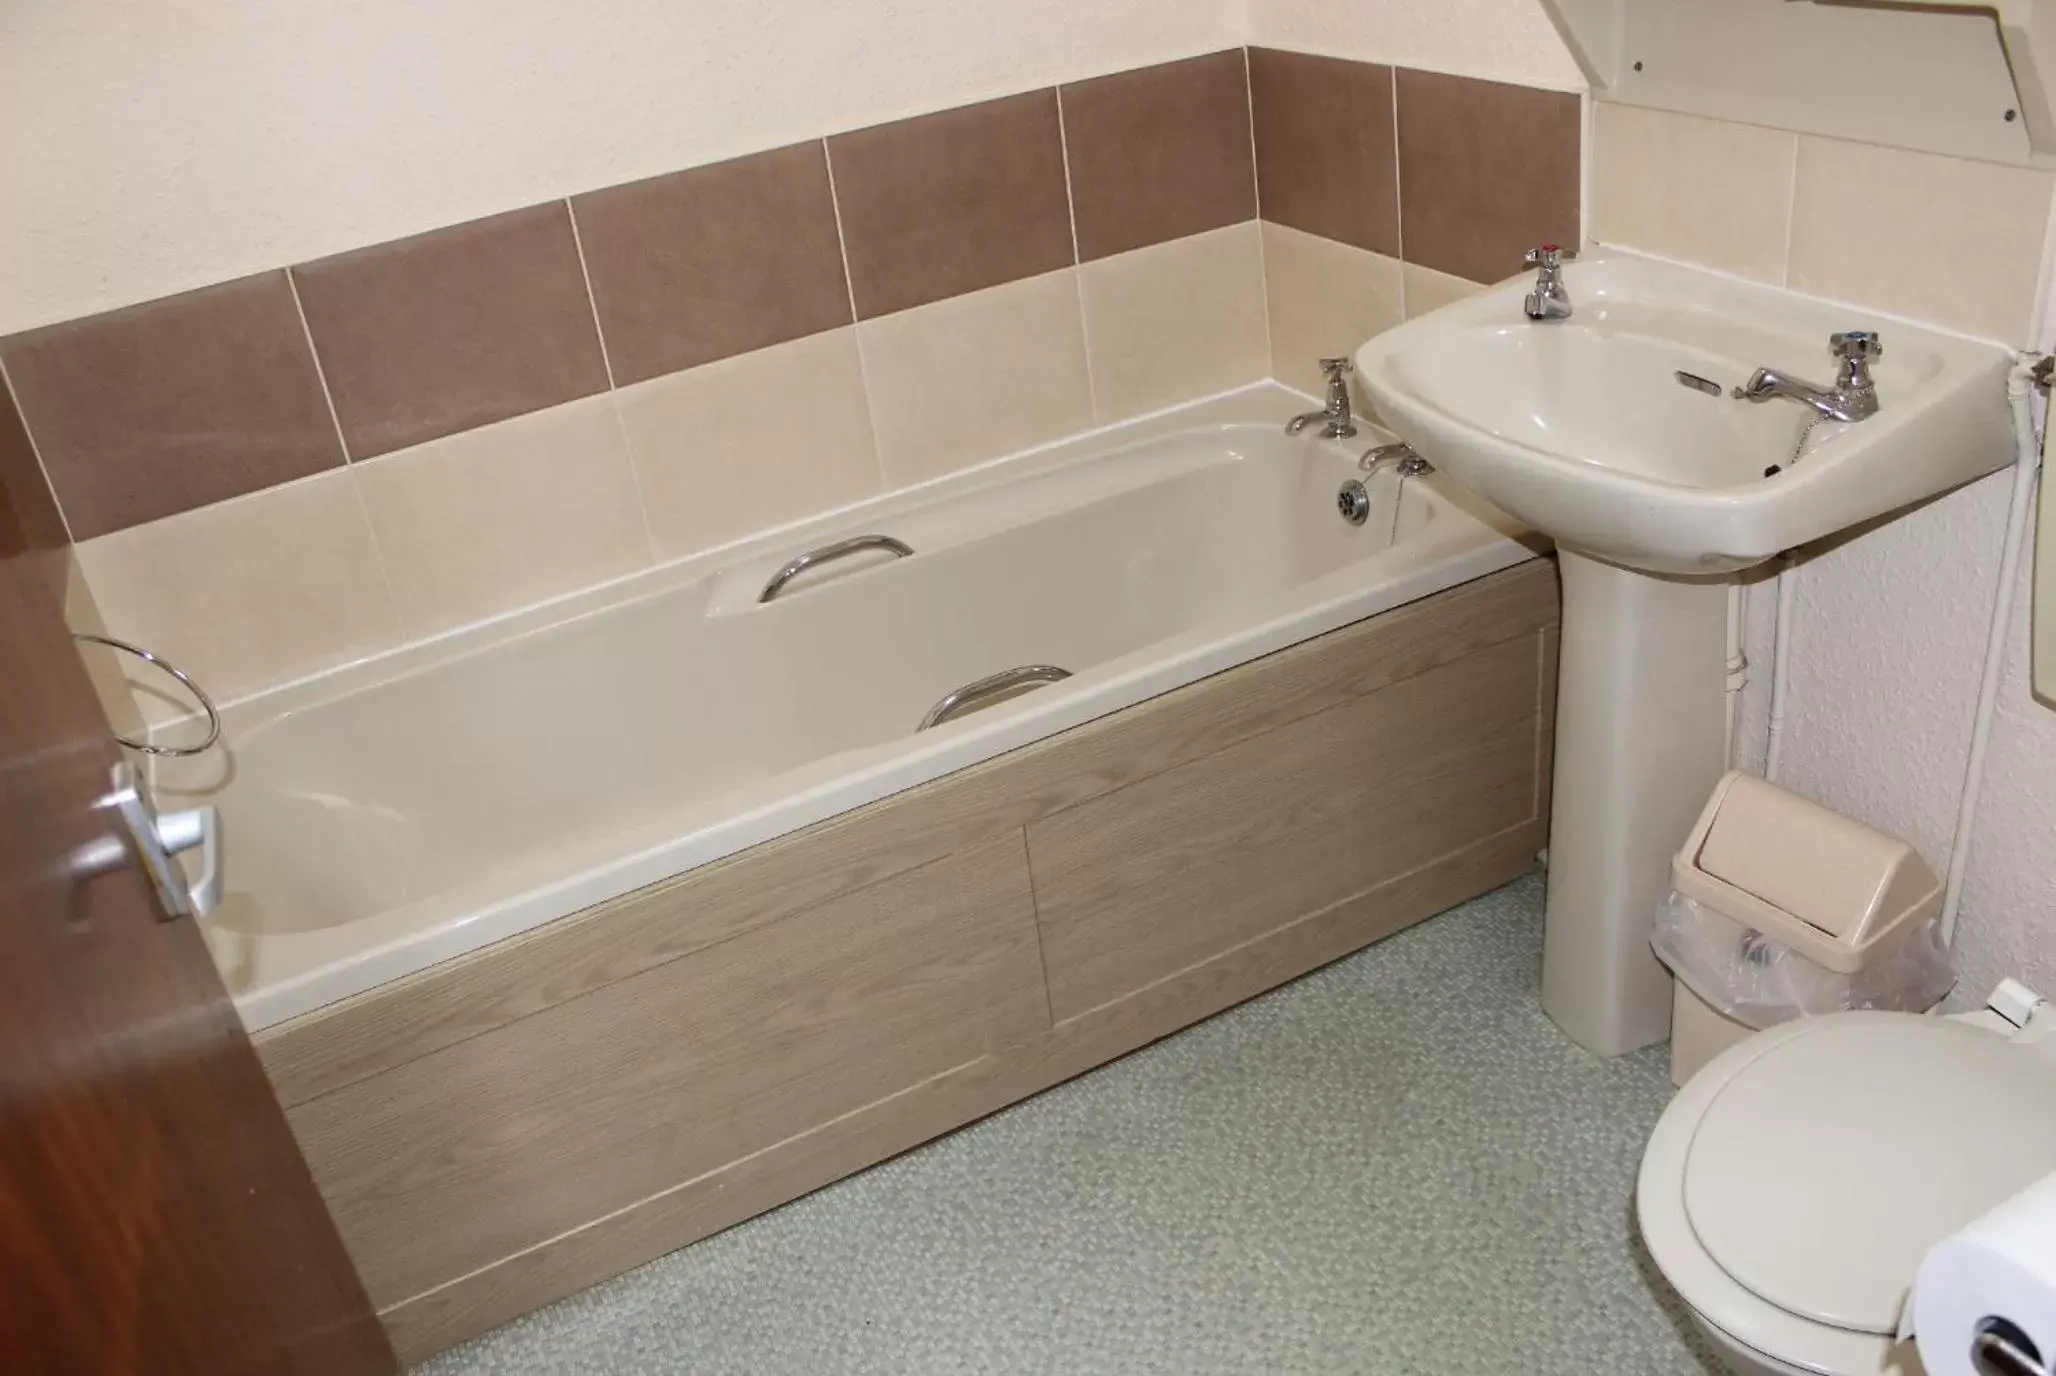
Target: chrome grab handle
978,690
799,564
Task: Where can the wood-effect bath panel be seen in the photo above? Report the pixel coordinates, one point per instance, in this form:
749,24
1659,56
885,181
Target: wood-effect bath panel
508,1128
1188,863
501,1142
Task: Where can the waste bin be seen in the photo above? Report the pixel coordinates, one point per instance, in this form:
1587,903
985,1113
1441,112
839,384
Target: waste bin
1781,909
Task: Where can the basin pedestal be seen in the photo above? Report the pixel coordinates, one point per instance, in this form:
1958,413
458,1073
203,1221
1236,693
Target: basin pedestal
1640,743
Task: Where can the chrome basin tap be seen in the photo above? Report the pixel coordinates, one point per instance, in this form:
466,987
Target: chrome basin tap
1854,396
1549,300
1334,417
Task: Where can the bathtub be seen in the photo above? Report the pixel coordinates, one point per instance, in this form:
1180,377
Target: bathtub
407,810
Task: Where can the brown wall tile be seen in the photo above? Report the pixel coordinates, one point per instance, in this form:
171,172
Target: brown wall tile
944,204
1159,153
1486,172
158,408
28,513
714,261
1324,155
453,329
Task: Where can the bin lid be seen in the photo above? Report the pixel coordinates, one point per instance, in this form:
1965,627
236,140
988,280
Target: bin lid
1823,1171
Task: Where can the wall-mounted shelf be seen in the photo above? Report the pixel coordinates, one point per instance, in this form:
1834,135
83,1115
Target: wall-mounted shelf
1965,77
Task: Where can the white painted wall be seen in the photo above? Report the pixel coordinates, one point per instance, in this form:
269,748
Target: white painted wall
1503,40
147,148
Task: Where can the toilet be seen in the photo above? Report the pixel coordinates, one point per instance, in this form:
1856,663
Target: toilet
1792,1186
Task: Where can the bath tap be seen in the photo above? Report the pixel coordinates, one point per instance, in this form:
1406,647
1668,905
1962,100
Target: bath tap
1399,456
1854,396
1336,424
1549,300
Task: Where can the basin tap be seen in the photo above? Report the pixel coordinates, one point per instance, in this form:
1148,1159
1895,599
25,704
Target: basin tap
1854,396
1549,300
1334,417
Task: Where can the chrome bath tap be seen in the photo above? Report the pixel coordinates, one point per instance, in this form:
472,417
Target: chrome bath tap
1334,417
1854,396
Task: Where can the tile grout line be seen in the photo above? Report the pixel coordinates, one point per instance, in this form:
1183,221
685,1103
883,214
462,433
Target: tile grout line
1791,216
320,373
849,286
592,302
385,573
1398,198
2041,336
42,467
1077,264
1256,191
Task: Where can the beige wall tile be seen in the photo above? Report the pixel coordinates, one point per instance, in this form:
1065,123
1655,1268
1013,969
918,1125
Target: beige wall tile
250,592
1429,290
977,376
107,669
1941,239
506,516
751,441
1176,320
1701,190
1326,300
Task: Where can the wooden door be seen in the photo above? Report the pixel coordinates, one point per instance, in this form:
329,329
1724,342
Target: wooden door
155,1213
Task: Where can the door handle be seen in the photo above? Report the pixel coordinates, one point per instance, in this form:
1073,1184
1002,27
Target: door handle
153,839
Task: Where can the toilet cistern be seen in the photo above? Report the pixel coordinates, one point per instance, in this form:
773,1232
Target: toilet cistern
1655,494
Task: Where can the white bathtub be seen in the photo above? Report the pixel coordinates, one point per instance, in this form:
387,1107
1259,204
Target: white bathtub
406,810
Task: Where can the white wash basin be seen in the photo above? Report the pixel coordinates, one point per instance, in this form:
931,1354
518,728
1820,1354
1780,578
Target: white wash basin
1581,428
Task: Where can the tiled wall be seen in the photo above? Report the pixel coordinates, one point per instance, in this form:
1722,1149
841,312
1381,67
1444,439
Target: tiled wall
274,475
1936,238
1387,193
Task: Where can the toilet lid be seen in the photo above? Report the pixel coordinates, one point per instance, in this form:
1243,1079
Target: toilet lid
1824,1169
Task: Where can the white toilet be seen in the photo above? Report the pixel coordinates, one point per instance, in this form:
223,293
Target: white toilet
1790,1189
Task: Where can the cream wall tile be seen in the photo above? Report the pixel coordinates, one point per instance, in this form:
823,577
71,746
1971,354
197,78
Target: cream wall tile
1941,239
751,441
505,516
1326,300
249,592
977,376
107,669
1701,190
1176,320
1429,290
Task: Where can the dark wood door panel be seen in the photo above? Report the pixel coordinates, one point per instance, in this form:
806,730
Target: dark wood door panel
155,1214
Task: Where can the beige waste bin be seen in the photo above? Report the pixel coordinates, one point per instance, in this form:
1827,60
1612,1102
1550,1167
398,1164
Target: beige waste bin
1780,909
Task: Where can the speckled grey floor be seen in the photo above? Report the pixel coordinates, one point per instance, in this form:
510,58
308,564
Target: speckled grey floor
1396,1164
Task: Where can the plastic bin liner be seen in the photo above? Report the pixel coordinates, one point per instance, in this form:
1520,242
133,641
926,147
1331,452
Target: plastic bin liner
1762,982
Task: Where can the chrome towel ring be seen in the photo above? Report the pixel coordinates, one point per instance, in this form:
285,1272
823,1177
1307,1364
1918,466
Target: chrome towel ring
185,680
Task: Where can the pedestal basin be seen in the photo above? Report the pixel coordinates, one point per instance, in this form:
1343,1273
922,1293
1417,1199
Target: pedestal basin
1582,428
1617,433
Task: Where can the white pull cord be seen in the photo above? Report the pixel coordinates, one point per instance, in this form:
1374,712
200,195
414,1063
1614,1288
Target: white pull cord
2027,460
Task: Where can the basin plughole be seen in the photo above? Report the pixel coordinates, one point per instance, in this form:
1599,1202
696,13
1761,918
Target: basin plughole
1616,433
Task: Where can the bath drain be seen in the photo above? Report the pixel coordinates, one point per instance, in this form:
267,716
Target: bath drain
1353,502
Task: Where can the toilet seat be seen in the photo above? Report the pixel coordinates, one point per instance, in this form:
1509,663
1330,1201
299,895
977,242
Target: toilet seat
1824,1121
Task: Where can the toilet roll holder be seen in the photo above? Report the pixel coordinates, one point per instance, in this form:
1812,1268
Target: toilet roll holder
2001,1349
